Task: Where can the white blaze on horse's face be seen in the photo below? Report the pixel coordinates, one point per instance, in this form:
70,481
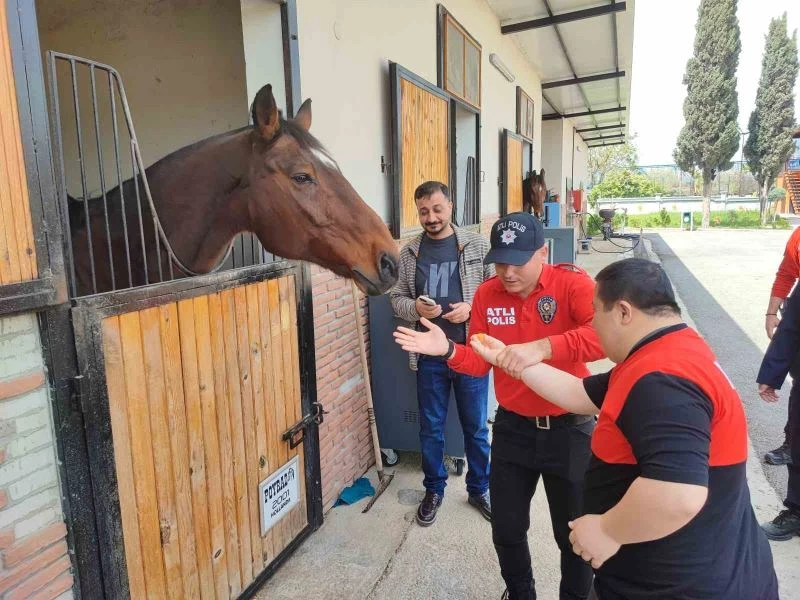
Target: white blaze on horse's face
325,159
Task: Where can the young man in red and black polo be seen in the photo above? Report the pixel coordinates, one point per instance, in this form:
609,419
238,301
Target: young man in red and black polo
667,510
544,313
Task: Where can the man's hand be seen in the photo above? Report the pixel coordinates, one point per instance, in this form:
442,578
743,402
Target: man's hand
771,325
517,357
426,311
459,312
767,393
590,541
432,342
487,347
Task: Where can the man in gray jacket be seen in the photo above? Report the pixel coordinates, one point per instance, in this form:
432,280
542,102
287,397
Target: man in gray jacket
440,270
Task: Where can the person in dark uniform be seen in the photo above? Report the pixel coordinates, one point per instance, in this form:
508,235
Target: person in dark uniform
783,357
544,313
667,510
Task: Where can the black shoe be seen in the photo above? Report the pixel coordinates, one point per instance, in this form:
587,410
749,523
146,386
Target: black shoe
426,513
783,527
780,456
483,504
505,595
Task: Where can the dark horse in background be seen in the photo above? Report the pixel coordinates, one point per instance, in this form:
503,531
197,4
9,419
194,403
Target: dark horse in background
272,178
534,193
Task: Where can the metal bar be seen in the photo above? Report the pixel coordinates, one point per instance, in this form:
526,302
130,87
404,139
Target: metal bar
89,239
62,184
602,127
601,111
578,15
119,178
585,79
139,208
158,248
102,175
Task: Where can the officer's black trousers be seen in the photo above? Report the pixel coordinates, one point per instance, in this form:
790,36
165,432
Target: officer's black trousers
521,454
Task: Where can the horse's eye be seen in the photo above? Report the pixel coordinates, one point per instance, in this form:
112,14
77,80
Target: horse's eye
302,178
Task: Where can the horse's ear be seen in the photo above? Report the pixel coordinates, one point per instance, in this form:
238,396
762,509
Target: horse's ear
303,116
265,114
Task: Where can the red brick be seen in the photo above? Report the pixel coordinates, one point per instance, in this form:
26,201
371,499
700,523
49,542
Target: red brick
21,385
39,580
3,498
2,455
13,577
55,588
33,543
6,538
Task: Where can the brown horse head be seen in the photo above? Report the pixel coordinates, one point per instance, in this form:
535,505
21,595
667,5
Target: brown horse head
302,207
534,193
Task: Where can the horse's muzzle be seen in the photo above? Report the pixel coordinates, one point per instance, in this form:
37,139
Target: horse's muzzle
387,276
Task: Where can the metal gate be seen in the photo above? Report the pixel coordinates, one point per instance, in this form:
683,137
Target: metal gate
195,394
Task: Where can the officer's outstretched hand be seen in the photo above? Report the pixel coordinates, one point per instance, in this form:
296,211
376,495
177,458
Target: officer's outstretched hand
487,347
432,342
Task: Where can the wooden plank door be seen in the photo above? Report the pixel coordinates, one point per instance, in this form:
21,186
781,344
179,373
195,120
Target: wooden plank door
17,247
511,173
421,144
200,391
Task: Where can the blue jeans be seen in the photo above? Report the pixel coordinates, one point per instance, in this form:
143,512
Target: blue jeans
434,380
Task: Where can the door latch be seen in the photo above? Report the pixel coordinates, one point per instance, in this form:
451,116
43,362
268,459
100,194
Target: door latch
299,428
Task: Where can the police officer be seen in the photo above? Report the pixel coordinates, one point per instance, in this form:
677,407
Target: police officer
666,502
543,313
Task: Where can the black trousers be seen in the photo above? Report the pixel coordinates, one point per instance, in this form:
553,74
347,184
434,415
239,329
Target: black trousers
793,489
521,455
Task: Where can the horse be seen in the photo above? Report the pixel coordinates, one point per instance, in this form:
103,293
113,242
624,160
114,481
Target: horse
534,193
272,178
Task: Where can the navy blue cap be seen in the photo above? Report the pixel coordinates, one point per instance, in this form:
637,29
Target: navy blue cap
514,239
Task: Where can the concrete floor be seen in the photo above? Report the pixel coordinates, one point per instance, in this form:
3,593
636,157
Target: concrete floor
383,554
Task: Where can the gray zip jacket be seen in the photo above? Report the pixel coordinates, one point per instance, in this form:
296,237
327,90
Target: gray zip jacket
472,248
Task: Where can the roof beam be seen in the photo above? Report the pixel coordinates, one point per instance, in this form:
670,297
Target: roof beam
585,113
604,145
600,128
605,137
578,15
586,79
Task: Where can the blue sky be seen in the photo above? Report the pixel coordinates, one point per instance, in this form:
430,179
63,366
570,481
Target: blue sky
663,42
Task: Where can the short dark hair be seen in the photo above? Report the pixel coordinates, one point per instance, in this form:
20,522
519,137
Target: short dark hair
641,282
429,188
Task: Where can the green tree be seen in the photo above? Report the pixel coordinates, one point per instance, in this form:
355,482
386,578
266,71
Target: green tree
604,159
770,142
710,136
625,183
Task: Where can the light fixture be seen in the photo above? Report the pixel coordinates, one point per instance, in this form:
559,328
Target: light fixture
500,66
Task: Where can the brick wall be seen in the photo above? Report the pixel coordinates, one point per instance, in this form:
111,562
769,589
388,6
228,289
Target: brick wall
345,443
33,549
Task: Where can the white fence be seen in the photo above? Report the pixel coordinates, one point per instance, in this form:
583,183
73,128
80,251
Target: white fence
643,206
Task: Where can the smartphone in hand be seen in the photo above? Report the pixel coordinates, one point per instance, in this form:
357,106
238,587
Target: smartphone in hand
427,300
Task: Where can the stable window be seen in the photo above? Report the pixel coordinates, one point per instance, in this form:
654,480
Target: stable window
524,115
459,60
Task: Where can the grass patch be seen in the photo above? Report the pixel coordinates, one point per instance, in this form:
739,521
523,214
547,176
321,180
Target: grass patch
730,219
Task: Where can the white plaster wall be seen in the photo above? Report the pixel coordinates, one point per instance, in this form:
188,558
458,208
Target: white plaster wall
345,49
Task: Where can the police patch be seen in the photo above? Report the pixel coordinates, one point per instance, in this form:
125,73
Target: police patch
547,308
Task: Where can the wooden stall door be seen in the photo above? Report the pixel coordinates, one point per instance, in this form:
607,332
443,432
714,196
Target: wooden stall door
200,391
511,157
17,246
421,140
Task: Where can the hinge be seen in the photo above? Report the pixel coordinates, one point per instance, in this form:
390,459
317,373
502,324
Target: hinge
76,397
317,416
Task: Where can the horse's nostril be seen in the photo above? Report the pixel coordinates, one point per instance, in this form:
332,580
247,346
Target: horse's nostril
388,267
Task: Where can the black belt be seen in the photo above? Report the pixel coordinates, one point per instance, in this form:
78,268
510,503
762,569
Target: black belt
551,422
